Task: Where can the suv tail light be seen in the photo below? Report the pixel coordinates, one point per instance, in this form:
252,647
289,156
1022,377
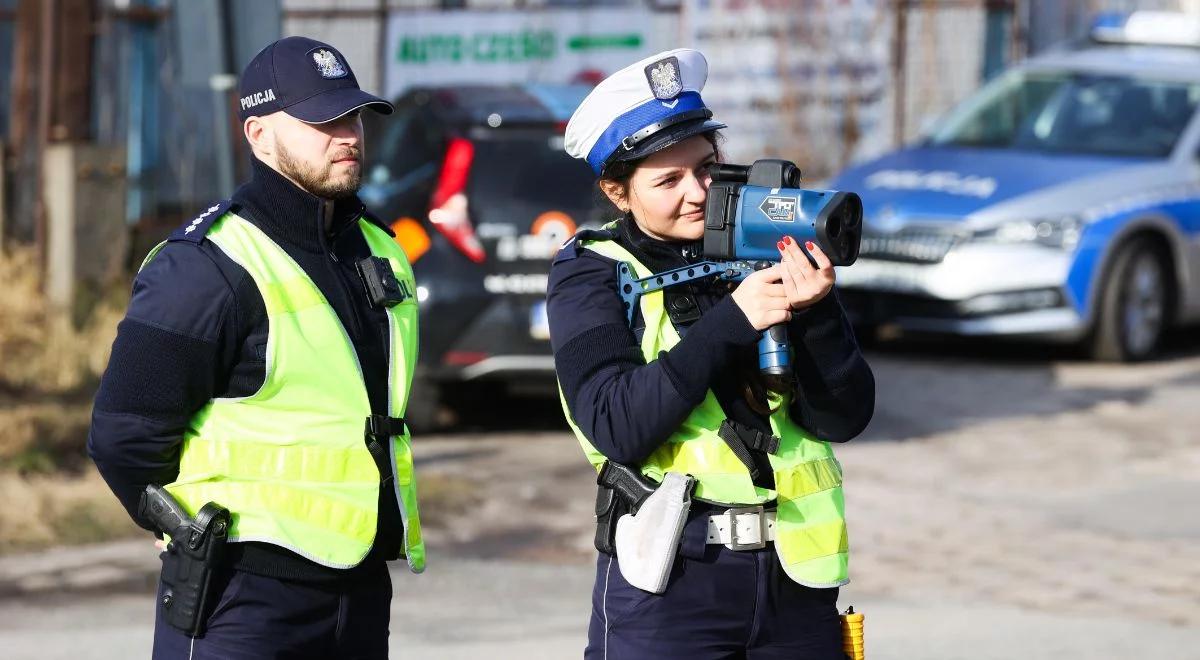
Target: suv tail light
448,208
412,238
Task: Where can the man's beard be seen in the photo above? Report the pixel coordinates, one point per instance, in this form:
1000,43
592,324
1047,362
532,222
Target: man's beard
318,181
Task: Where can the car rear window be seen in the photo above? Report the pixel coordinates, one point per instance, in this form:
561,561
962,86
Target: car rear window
518,176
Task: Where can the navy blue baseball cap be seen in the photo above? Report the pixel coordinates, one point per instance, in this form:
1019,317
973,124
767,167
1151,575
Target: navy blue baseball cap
305,78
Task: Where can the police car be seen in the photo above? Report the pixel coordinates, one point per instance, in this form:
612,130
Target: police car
1061,201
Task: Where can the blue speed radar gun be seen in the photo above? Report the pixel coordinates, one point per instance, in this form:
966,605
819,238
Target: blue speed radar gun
750,209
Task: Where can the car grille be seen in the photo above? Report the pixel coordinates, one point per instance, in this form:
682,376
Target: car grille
911,244
871,308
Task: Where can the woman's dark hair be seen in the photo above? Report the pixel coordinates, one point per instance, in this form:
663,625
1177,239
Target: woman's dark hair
757,387
621,171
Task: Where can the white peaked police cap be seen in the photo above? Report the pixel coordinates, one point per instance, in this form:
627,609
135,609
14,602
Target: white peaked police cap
643,108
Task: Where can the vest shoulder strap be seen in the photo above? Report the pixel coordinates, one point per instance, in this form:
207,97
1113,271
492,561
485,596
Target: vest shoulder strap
196,229
375,220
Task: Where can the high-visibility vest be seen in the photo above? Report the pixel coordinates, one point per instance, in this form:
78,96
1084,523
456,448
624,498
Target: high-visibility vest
290,461
810,532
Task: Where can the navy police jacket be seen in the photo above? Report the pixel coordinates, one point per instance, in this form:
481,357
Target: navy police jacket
627,407
196,329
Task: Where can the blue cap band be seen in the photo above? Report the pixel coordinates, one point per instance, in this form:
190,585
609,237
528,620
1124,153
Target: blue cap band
650,112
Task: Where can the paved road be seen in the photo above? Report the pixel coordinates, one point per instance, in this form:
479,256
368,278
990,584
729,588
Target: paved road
516,610
1015,507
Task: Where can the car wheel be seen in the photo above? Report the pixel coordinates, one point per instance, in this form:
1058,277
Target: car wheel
1134,304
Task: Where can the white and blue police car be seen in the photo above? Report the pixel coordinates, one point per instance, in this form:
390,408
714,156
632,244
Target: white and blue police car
1059,202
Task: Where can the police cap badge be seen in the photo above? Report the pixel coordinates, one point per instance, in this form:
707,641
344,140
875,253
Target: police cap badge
305,78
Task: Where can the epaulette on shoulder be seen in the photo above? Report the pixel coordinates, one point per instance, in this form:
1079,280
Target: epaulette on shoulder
374,219
195,230
571,248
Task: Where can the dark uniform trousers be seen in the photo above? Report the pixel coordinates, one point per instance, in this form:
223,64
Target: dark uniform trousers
263,618
723,605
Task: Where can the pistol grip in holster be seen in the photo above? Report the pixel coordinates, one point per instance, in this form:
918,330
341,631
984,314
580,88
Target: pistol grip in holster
609,509
620,490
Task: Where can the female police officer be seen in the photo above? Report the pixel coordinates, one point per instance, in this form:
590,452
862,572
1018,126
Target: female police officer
764,548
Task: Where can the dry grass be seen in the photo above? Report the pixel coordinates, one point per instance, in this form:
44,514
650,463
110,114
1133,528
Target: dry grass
48,372
40,349
42,437
55,509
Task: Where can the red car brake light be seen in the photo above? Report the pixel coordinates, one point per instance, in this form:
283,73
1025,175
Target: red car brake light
448,208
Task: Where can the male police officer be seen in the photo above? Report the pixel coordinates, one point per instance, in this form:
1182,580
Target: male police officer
262,338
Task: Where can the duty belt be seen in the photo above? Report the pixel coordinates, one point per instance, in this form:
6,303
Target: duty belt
742,528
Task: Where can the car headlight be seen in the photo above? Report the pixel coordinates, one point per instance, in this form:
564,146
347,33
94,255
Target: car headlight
1061,232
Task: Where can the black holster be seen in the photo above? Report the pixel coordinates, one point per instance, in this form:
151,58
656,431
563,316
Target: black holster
189,564
620,490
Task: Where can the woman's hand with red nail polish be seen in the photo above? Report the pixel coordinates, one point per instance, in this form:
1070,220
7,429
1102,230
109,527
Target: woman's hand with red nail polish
803,283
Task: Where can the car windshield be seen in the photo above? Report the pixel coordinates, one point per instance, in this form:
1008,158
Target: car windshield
1073,113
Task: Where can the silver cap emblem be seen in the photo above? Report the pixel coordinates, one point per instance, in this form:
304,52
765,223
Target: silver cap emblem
665,79
328,64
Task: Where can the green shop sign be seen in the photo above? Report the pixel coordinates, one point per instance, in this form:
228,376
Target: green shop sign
521,46
605,41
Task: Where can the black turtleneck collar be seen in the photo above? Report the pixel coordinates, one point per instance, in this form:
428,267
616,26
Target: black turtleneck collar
290,214
658,255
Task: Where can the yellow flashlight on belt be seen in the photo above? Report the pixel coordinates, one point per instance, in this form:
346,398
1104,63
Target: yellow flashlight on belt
852,634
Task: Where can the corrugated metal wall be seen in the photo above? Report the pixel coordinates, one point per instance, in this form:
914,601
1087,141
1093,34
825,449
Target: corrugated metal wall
355,27
159,91
942,59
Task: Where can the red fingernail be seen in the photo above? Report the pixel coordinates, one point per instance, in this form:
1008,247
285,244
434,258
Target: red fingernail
787,239
809,245
779,245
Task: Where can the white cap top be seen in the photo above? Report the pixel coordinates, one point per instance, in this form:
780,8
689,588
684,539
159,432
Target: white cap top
639,102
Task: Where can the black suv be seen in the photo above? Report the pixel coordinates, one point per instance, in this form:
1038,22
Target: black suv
475,183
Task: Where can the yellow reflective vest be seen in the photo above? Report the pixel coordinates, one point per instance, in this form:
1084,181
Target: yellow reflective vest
810,532
290,461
